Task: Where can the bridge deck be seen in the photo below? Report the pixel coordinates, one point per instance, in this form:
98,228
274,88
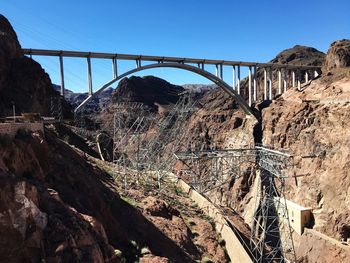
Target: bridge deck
81,54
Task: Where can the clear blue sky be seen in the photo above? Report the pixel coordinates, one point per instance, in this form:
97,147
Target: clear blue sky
227,29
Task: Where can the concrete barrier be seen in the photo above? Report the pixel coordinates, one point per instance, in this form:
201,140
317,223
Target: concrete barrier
234,247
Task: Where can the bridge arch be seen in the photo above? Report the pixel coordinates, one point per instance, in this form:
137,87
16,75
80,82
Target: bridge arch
219,82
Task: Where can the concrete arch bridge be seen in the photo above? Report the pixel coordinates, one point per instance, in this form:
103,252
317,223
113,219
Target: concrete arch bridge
288,75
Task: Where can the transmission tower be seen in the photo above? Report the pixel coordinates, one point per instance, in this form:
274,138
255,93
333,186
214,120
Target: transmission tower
56,107
206,170
271,231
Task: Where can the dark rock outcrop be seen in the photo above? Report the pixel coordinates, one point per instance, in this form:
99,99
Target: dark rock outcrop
338,55
300,55
148,90
23,81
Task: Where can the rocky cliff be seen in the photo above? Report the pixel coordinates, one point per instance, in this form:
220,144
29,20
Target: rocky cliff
312,124
23,82
58,206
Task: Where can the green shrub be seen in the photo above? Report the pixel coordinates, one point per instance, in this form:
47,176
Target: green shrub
145,251
118,253
206,260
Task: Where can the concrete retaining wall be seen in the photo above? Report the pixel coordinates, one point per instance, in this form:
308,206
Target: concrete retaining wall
234,247
11,129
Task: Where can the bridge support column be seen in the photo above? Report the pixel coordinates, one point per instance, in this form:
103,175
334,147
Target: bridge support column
293,79
306,76
270,83
265,84
62,76
285,80
299,79
115,68
138,63
217,70
279,82
234,77
89,75
255,84
239,79
202,67
221,71
315,74
250,86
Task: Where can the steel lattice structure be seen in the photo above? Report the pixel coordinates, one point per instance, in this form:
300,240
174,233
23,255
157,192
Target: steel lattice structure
136,150
271,237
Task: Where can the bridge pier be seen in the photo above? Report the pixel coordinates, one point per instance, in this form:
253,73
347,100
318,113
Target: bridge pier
316,74
285,80
62,76
115,67
270,83
234,77
250,86
221,72
89,75
265,84
239,79
293,79
279,82
138,63
306,76
255,84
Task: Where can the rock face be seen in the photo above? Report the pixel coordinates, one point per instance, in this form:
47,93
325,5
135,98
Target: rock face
300,55
312,124
148,90
23,82
338,55
58,207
